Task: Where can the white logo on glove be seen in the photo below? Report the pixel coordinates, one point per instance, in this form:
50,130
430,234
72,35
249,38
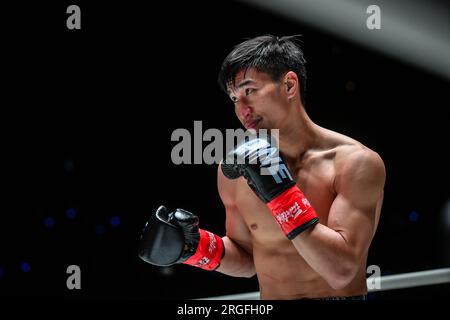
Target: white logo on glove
212,243
293,212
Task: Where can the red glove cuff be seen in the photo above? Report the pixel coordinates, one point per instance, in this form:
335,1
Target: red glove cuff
209,251
293,212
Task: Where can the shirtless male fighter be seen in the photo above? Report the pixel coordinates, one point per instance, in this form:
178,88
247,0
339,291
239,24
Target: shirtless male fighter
304,233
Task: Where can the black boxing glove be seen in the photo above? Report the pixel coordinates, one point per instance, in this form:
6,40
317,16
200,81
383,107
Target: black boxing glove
170,238
263,166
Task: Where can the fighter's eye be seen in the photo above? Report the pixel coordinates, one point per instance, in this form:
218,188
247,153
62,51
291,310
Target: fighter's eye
249,91
234,98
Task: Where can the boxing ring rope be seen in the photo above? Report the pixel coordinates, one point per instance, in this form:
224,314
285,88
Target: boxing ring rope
389,282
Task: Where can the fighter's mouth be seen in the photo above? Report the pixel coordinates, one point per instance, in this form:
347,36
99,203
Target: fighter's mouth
252,124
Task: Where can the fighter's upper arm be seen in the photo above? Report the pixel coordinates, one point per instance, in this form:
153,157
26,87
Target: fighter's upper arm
359,185
236,228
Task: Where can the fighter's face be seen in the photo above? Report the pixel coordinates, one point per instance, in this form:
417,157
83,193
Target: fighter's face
259,102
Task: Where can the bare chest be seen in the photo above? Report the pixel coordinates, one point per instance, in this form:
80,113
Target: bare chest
316,182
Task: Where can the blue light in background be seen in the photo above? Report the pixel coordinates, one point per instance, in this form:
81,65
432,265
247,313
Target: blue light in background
413,216
100,229
2,272
49,222
25,267
115,221
71,213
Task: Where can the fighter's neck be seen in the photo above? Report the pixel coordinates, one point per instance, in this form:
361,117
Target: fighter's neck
297,137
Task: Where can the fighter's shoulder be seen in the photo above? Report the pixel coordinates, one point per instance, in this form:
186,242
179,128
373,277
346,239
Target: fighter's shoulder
348,150
354,152
226,187
357,160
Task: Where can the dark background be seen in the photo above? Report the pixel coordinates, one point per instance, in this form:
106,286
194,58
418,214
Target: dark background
87,118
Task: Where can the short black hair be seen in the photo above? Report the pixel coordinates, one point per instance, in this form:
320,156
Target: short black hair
269,54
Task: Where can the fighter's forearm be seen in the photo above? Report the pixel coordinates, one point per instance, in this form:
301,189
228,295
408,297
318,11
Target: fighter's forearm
236,262
328,253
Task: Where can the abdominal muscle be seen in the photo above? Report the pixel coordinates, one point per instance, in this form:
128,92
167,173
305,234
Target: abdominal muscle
284,274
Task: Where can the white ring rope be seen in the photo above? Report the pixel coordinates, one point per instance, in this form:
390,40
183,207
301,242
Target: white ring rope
390,282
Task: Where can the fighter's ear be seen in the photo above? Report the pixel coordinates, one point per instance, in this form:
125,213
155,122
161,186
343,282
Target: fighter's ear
290,82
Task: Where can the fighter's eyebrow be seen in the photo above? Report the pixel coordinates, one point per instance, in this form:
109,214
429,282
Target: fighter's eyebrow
244,83
241,84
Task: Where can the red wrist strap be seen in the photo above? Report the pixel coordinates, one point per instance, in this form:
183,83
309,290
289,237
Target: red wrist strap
209,251
293,212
